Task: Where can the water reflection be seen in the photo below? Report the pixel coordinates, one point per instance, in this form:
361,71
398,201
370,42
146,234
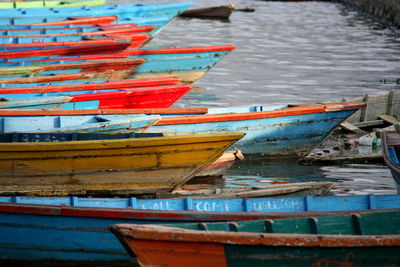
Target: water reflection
348,179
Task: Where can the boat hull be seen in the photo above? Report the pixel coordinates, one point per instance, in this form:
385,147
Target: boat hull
76,227
291,132
141,165
347,240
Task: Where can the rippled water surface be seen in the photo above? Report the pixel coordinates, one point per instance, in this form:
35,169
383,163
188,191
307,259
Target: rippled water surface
294,53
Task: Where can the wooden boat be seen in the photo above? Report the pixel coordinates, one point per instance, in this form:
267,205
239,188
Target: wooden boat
390,151
68,22
221,165
289,189
41,103
348,240
83,238
135,41
141,97
213,12
86,124
119,84
289,130
127,10
138,165
36,22
84,49
50,3
108,30
65,29
103,30
117,69
189,64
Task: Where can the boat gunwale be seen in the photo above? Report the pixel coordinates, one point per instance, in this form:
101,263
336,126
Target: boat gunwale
165,233
150,214
106,144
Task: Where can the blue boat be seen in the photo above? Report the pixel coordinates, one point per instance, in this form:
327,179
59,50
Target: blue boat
74,230
80,124
130,10
23,22
77,79
38,103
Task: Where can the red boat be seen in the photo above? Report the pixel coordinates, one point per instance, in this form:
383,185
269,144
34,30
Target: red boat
116,68
86,48
135,41
81,21
113,85
103,29
146,97
81,28
142,97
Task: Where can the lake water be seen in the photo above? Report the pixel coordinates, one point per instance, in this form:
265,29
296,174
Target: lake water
292,52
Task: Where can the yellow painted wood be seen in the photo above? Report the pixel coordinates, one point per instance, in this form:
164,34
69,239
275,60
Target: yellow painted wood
146,165
186,77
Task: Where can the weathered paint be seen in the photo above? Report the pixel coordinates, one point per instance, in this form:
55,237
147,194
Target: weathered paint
120,68
135,40
75,228
142,165
189,64
270,130
85,124
51,3
145,97
255,243
223,209
111,85
132,10
44,103
108,31
85,49
64,29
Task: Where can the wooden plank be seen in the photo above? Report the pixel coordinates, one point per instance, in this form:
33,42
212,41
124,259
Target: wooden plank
368,123
351,127
389,119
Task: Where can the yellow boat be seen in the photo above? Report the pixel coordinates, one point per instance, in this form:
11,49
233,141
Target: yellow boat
119,166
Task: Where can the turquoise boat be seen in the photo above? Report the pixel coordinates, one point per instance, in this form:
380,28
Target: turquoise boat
39,22
75,227
371,239
39,103
50,3
81,124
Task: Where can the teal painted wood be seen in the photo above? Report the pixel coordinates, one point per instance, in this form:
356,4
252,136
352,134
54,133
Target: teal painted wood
158,21
65,82
73,229
39,103
241,255
155,64
44,39
130,10
258,205
293,135
81,124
